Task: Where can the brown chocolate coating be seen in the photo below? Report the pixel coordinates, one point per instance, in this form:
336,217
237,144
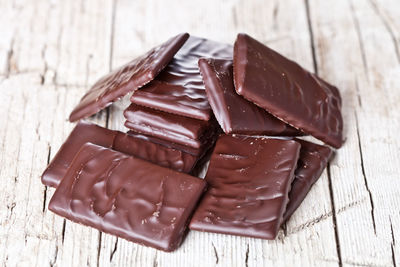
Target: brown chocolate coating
249,180
235,114
127,197
202,154
86,132
179,88
287,91
82,133
190,150
127,78
161,155
312,162
173,128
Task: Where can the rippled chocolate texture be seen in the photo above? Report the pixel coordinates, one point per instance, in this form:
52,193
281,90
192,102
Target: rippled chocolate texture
82,133
312,162
287,91
249,180
202,154
127,197
179,88
174,128
86,132
234,113
127,78
190,150
158,154
136,185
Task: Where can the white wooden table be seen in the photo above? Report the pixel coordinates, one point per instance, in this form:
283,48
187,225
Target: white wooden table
51,51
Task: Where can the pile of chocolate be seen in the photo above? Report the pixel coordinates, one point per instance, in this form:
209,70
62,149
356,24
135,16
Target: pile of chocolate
241,108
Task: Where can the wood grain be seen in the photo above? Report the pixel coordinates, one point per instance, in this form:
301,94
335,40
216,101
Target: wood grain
51,52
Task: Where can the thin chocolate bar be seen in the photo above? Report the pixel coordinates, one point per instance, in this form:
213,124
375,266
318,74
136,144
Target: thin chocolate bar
161,155
179,88
86,132
249,180
312,161
190,150
235,114
174,128
287,91
82,133
127,78
127,197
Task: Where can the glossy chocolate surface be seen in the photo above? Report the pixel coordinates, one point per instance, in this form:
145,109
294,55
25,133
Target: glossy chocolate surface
161,155
127,197
190,150
127,78
249,180
235,114
86,132
173,128
312,162
287,91
82,133
179,88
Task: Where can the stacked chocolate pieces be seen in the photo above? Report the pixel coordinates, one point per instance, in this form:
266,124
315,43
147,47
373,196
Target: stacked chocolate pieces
174,107
186,92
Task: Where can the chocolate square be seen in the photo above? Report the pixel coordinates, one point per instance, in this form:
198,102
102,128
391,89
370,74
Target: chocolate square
179,88
312,162
287,91
127,78
173,128
235,114
86,132
249,180
127,197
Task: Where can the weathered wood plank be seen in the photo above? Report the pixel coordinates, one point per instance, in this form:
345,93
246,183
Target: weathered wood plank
352,50
50,52
50,42
379,124
82,55
7,40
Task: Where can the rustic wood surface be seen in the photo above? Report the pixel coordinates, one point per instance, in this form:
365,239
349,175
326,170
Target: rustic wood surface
51,51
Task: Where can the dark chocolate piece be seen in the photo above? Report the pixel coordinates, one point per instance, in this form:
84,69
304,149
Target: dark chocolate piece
190,150
82,133
312,161
127,78
86,132
234,113
179,88
127,197
249,180
287,91
202,154
161,155
174,128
